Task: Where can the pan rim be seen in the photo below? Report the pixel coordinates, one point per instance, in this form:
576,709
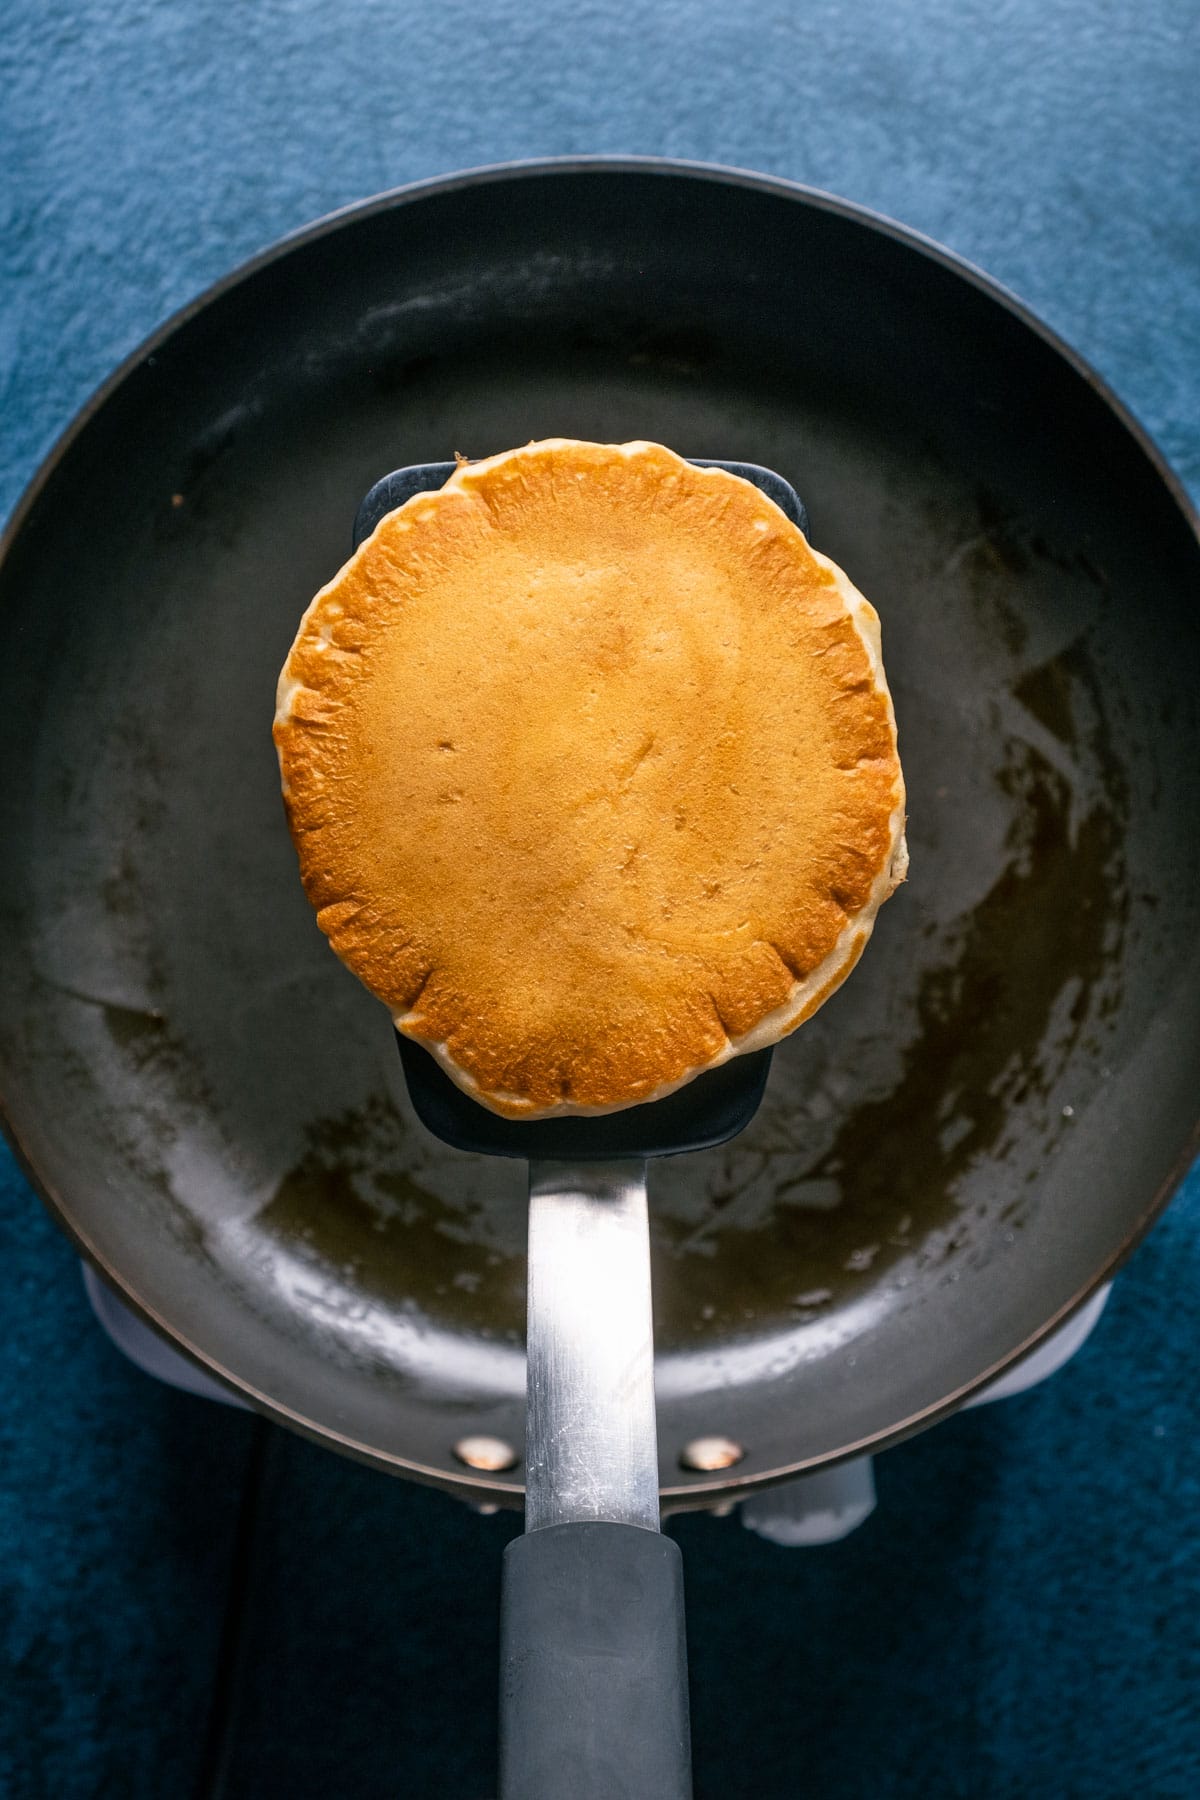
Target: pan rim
722,174
692,1496
699,1493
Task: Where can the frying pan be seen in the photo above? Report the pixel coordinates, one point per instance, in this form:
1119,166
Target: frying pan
963,1143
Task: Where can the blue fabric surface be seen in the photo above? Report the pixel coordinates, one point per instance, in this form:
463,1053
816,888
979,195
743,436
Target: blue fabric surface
1020,1616
118,1500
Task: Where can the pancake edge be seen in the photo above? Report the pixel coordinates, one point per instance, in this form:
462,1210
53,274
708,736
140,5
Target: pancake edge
807,995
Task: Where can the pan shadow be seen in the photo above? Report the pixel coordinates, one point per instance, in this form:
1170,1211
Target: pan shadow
810,1670
370,1637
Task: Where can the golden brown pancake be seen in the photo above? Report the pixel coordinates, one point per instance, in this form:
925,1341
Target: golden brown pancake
591,768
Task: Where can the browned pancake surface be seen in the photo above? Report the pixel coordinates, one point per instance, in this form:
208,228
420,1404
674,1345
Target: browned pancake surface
591,769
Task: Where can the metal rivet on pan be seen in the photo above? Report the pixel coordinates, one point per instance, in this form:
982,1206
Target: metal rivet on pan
709,1453
489,1453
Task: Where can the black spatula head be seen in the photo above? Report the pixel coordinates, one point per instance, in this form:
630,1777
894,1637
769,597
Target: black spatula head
707,1111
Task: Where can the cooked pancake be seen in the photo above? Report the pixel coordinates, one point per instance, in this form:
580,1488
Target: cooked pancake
591,767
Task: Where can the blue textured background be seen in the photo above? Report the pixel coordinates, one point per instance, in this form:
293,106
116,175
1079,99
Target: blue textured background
1020,1617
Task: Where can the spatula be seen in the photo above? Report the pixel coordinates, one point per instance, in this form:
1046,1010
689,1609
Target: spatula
593,1702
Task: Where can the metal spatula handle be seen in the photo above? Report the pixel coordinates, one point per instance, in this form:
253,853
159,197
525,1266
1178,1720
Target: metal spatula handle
593,1662
591,1447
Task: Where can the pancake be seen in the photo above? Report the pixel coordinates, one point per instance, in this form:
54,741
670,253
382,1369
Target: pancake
591,767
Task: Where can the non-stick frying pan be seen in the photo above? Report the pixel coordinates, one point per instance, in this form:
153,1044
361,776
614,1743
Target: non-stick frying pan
948,1158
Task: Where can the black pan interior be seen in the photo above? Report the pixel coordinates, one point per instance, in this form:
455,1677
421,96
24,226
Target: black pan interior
948,1156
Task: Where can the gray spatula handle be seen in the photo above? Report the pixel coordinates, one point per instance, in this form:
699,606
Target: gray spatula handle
593,1665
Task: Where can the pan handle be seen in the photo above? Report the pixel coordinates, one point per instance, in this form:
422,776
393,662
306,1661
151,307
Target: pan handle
593,1695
